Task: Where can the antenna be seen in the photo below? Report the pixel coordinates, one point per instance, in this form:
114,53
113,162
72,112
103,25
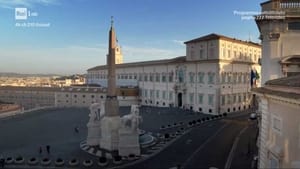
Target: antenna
112,20
249,34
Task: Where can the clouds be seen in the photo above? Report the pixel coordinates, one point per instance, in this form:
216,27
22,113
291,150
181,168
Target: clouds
180,42
11,4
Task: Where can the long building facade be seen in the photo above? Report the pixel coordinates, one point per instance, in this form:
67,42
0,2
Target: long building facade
214,77
73,96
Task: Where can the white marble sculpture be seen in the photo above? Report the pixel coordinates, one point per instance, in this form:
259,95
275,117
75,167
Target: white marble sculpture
129,133
131,121
94,125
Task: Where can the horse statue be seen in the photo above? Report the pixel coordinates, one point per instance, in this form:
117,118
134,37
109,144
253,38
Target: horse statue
96,112
132,120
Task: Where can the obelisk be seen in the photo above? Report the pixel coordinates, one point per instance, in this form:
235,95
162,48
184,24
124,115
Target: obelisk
110,124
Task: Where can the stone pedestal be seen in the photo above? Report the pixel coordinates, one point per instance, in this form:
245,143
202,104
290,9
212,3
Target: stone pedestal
110,133
128,142
94,133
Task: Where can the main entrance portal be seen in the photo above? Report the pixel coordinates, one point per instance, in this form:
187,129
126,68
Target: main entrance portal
179,99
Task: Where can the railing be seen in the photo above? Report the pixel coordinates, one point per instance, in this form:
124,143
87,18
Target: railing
288,5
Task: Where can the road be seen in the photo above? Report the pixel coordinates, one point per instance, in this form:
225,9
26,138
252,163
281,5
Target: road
207,145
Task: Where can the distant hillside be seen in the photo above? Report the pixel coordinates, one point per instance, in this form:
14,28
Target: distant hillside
9,74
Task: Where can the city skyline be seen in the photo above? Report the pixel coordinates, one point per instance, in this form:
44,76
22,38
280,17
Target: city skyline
77,35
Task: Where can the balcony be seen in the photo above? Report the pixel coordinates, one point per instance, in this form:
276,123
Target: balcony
180,86
291,4
279,9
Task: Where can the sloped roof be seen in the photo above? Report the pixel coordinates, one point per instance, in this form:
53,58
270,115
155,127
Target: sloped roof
215,36
144,63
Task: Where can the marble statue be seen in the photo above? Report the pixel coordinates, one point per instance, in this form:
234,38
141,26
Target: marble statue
94,125
96,112
132,120
129,133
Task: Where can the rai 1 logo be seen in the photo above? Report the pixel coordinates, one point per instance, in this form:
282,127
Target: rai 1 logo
21,13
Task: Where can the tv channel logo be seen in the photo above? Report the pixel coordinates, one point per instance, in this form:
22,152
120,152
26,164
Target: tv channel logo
20,13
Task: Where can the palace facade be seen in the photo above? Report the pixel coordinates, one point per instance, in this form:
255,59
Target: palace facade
214,77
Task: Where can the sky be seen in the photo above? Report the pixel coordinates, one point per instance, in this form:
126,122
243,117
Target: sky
71,36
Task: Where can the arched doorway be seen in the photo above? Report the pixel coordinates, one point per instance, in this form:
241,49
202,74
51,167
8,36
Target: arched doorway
179,99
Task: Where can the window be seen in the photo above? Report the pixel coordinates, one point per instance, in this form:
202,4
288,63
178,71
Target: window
294,26
164,95
181,76
151,78
276,124
140,77
157,77
234,98
201,54
75,95
170,77
200,98
229,78
171,96
151,93
201,77
223,100
223,76
211,78
191,98
192,54
240,98
157,94
245,78
228,99
191,77
274,162
92,96
146,93
234,78
212,53
146,78
83,96
164,78
224,53
239,78
229,55
211,99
